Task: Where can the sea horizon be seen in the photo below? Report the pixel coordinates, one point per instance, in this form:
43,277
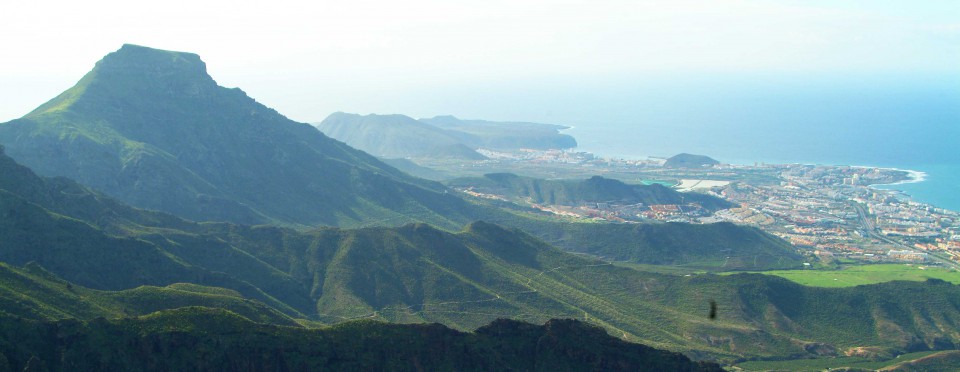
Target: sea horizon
937,185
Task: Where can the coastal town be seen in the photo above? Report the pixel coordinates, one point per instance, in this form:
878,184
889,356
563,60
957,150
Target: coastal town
837,213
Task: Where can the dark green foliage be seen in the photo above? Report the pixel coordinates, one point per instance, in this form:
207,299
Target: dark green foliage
578,192
191,339
689,161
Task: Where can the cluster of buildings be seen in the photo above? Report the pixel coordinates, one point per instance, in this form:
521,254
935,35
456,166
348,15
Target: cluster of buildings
833,211
539,156
689,212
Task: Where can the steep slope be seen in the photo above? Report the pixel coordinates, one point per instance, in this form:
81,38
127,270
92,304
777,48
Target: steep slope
151,128
394,136
504,135
211,339
576,192
94,241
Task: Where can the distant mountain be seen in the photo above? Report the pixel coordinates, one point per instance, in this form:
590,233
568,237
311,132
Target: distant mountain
395,136
576,192
689,161
399,136
193,339
504,135
151,128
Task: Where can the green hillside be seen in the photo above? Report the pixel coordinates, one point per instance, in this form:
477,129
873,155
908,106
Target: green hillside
32,292
152,129
713,247
417,273
576,192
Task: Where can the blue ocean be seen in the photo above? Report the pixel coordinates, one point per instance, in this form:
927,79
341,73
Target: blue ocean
906,124
908,121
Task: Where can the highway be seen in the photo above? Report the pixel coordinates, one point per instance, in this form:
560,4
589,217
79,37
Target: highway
871,230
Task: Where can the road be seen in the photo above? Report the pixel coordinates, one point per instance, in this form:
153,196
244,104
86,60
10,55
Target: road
871,229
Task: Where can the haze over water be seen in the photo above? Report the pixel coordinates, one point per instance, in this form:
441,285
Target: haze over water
904,124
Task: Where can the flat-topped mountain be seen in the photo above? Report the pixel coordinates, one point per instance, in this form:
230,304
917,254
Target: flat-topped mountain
153,129
690,161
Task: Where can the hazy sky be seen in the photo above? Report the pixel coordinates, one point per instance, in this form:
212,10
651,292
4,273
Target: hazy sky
312,58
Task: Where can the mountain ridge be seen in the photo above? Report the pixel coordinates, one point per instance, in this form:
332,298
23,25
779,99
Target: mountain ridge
419,273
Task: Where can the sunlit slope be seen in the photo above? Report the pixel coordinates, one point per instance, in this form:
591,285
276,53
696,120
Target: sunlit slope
32,292
416,273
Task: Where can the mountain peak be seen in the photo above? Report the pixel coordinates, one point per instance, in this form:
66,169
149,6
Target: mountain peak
150,127
131,56
134,72
155,68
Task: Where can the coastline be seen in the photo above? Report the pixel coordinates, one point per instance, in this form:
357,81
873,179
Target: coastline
917,186
913,176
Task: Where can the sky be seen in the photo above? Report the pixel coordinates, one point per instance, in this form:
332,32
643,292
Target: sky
426,57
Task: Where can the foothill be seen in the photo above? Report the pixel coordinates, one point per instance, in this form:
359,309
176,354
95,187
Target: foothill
834,212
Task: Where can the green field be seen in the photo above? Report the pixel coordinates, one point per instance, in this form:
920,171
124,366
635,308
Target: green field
850,276
822,364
